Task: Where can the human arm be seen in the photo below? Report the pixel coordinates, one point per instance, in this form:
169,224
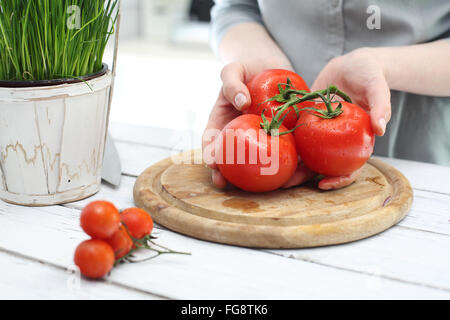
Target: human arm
368,74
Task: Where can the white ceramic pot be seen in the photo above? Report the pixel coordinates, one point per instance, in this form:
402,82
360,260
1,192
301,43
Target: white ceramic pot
52,140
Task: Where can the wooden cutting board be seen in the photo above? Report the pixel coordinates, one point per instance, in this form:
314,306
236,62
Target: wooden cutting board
179,195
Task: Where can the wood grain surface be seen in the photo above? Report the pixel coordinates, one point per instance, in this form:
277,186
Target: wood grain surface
178,193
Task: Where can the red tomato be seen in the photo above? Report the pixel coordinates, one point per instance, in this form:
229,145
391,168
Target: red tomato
138,222
100,219
265,85
255,152
338,146
120,242
95,258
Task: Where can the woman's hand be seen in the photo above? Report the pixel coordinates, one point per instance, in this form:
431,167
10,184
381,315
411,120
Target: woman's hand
363,76
234,97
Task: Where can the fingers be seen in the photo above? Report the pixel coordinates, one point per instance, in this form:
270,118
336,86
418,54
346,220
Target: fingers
301,175
218,179
234,93
321,82
234,89
325,76
208,149
379,100
210,134
329,183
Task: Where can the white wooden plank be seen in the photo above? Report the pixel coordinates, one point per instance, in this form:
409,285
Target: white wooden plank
398,253
430,212
26,279
423,176
225,272
81,167
50,119
20,150
213,271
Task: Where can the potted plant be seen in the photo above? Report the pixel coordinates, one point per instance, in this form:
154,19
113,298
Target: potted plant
55,94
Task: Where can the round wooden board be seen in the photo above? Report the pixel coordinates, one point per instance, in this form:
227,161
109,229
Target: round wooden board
178,193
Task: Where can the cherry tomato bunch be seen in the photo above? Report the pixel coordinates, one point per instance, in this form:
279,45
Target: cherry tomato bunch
332,137
114,236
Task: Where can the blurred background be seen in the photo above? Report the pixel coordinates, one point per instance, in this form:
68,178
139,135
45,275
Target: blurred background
167,75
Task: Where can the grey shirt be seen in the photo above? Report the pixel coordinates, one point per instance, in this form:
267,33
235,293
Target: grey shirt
312,32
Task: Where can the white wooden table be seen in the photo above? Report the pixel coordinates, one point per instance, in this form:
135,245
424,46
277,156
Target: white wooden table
410,260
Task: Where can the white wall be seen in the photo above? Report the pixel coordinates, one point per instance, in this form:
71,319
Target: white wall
156,19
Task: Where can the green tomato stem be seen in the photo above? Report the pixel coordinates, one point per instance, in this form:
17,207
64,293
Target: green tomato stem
290,98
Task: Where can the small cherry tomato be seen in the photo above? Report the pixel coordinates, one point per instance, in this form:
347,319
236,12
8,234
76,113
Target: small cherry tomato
100,219
120,242
138,222
95,258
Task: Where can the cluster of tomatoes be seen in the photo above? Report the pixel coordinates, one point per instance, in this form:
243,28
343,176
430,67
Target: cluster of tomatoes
113,235
332,137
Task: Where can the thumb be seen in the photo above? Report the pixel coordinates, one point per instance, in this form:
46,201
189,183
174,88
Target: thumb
379,100
324,78
301,175
218,179
320,83
234,89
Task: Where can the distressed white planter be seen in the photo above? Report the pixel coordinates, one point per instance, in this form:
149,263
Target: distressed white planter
52,141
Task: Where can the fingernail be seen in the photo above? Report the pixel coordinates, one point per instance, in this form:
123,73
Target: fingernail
239,100
382,124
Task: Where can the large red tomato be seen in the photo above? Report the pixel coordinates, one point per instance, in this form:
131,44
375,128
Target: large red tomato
265,86
255,161
337,146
